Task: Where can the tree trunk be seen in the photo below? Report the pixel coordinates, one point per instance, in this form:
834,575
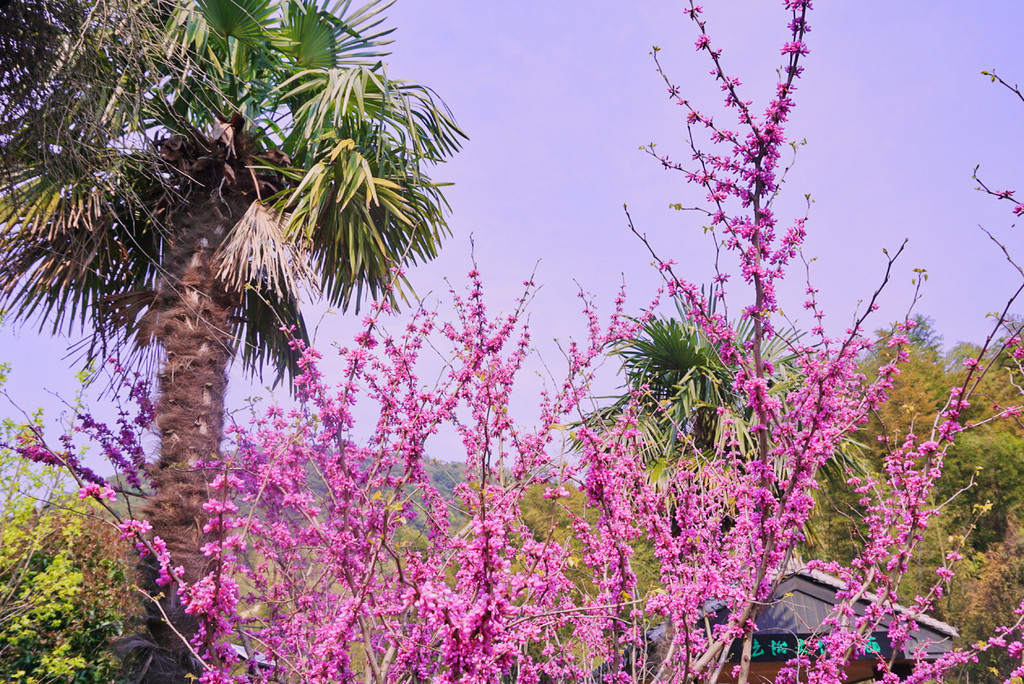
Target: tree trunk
193,325
191,321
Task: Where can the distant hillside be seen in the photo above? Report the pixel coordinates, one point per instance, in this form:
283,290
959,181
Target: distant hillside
445,476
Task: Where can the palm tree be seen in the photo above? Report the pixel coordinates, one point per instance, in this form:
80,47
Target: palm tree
683,391
253,151
685,401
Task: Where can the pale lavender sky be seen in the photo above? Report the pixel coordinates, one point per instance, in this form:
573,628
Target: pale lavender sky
557,96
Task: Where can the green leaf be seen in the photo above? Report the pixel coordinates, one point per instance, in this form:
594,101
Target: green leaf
243,20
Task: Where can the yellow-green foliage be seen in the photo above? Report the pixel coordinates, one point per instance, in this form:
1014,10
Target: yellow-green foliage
64,583
549,521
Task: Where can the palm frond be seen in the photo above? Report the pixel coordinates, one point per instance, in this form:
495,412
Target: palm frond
66,245
256,251
244,20
324,38
403,117
359,226
684,392
265,334
358,32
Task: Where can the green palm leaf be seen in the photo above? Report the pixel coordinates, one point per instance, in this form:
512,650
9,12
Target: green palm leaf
244,20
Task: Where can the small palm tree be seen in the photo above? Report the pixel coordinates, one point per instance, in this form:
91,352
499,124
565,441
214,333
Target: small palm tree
254,151
687,406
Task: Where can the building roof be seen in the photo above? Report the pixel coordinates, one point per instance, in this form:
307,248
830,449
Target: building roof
806,598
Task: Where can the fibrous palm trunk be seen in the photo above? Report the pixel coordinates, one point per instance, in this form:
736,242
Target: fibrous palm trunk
192,324
191,321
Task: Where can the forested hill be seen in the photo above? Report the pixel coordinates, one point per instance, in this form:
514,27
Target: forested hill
979,495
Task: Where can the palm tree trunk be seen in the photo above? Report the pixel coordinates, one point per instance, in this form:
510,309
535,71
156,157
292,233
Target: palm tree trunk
194,328
191,321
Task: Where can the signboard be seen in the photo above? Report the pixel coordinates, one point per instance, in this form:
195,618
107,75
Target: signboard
768,648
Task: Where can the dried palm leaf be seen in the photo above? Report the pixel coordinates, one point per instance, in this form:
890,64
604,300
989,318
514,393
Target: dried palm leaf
258,253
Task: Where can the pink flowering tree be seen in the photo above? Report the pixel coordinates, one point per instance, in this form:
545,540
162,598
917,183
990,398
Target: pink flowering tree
334,557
